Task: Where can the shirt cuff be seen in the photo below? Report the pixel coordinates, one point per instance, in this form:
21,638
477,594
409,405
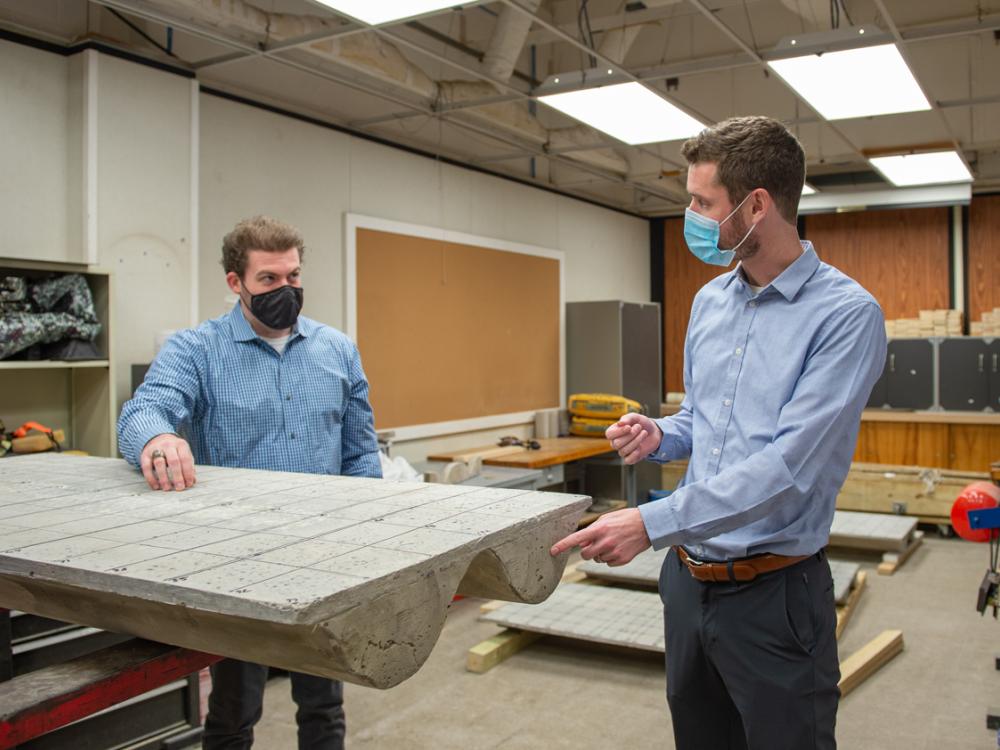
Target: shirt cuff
671,447
144,430
661,523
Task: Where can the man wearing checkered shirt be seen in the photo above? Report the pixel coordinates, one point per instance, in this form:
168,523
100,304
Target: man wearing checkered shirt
261,387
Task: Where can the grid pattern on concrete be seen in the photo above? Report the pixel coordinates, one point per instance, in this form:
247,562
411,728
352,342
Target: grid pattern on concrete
274,539
872,530
600,614
644,570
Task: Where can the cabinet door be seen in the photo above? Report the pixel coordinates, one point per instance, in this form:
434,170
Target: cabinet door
911,374
963,367
880,391
993,359
641,373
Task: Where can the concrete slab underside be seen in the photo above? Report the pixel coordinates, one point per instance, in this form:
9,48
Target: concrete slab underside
343,577
556,695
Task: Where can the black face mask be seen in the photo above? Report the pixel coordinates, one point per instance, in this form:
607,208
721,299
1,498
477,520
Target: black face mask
279,308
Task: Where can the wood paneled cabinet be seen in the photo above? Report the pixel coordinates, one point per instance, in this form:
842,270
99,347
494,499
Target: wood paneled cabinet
938,444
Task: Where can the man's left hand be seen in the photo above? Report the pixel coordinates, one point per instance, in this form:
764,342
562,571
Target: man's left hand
614,538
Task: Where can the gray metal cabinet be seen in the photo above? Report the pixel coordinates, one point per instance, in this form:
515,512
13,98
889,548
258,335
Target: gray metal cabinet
994,373
615,347
911,374
880,391
964,366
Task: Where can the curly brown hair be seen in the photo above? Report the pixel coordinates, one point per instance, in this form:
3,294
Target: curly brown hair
258,233
753,152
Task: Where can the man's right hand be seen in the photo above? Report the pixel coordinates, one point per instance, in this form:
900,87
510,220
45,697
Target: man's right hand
167,453
634,436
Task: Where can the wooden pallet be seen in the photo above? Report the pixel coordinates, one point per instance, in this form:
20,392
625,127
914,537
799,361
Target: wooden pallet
494,650
896,546
923,493
846,610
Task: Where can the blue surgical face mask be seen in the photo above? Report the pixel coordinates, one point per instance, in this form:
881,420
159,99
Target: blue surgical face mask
702,236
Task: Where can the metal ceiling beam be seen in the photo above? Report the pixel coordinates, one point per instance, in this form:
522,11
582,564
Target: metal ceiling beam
747,49
299,41
531,151
901,45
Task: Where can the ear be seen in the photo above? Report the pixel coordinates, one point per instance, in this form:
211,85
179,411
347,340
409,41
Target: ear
233,280
760,204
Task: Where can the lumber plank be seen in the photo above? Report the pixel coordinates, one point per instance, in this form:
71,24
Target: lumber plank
484,656
867,660
845,612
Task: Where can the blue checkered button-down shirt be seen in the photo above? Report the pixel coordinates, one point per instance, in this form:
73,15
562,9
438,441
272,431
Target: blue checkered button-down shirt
241,404
775,384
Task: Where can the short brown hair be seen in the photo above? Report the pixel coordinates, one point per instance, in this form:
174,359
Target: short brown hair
753,152
258,233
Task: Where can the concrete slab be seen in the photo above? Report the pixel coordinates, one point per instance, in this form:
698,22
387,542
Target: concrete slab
600,614
644,570
877,531
336,576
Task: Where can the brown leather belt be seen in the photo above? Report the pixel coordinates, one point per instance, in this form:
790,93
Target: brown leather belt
736,570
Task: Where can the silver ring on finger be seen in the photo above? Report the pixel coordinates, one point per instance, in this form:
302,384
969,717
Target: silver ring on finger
157,454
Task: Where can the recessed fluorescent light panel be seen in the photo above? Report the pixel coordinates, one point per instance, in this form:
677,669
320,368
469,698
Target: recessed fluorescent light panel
808,189
854,83
934,168
627,111
376,12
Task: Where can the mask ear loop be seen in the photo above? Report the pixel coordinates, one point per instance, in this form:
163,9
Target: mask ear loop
738,207
737,246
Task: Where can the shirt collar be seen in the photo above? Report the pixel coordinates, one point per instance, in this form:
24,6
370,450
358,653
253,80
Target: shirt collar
243,331
790,282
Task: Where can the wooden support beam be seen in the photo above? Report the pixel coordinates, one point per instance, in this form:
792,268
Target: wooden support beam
863,663
484,656
845,612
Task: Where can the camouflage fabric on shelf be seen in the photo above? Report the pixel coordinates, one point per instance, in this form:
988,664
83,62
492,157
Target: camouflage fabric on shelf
65,310
13,289
14,307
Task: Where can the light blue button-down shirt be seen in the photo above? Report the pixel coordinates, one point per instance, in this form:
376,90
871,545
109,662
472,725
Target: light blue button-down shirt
240,403
775,385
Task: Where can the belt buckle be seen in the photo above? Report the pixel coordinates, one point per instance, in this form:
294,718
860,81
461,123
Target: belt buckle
692,560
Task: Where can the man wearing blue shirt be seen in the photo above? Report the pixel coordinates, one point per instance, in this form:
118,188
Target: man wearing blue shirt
780,357
261,387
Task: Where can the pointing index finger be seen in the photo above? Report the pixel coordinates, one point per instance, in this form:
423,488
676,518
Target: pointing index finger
577,539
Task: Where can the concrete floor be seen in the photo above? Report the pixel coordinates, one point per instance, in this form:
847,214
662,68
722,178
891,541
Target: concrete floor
557,694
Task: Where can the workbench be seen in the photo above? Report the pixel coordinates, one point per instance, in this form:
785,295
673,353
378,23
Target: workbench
553,452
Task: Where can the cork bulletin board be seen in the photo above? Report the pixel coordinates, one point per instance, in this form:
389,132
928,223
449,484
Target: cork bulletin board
454,330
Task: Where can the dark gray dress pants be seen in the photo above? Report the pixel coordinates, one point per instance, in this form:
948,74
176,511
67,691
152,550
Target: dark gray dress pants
752,666
236,701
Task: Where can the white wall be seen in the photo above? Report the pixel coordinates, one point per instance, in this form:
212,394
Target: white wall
143,206
149,130
140,204
38,123
253,161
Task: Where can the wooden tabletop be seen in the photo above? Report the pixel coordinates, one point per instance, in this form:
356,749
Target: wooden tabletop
554,451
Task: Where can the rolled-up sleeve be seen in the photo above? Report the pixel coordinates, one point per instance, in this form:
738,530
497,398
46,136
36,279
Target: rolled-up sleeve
823,411
359,455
